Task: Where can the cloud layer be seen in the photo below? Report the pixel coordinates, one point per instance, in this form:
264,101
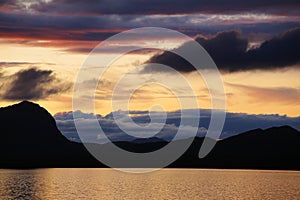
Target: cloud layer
92,7
235,123
57,22
231,52
85,27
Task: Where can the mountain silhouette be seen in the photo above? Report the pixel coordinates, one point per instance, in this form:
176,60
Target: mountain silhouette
273,148
30,139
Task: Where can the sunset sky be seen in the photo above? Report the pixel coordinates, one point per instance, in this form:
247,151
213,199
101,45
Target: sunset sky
255,44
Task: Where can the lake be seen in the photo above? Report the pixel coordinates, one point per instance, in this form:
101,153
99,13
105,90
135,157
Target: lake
163,184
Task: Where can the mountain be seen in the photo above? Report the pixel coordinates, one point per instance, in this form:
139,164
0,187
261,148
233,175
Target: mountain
30,139
147,140
273,148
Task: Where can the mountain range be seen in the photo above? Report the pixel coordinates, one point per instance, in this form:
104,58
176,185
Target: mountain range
31,139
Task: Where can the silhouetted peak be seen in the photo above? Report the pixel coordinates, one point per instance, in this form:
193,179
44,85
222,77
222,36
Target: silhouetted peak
30,123
278,134
24,104
282,128
27,103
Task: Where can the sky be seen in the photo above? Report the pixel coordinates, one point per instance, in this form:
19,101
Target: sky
255,45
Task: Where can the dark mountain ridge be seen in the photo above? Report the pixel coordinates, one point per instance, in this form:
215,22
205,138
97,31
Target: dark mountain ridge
30,139
35,120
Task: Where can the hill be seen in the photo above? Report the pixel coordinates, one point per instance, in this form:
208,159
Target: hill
30,139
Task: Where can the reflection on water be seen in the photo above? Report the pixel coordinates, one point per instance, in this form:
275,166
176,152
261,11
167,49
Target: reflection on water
18,184
163,184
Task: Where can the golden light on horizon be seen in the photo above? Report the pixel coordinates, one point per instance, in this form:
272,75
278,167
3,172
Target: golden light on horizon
265,92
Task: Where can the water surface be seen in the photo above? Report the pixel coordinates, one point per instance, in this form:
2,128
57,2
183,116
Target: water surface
163,184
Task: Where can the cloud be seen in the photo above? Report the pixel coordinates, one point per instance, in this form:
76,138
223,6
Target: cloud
10,5
107,50
59,23
92,7
231,52
282,95
66,124
26,26
21,64
280,51
32,84
235,123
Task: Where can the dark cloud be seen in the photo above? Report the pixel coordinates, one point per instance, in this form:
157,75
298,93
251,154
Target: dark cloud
280,51
98,28
107,50
56,27
96,7
230,52
32,84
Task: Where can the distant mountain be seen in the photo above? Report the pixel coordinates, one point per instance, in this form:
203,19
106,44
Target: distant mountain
30,139
147,140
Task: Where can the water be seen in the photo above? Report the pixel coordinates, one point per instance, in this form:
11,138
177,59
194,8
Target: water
163,184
